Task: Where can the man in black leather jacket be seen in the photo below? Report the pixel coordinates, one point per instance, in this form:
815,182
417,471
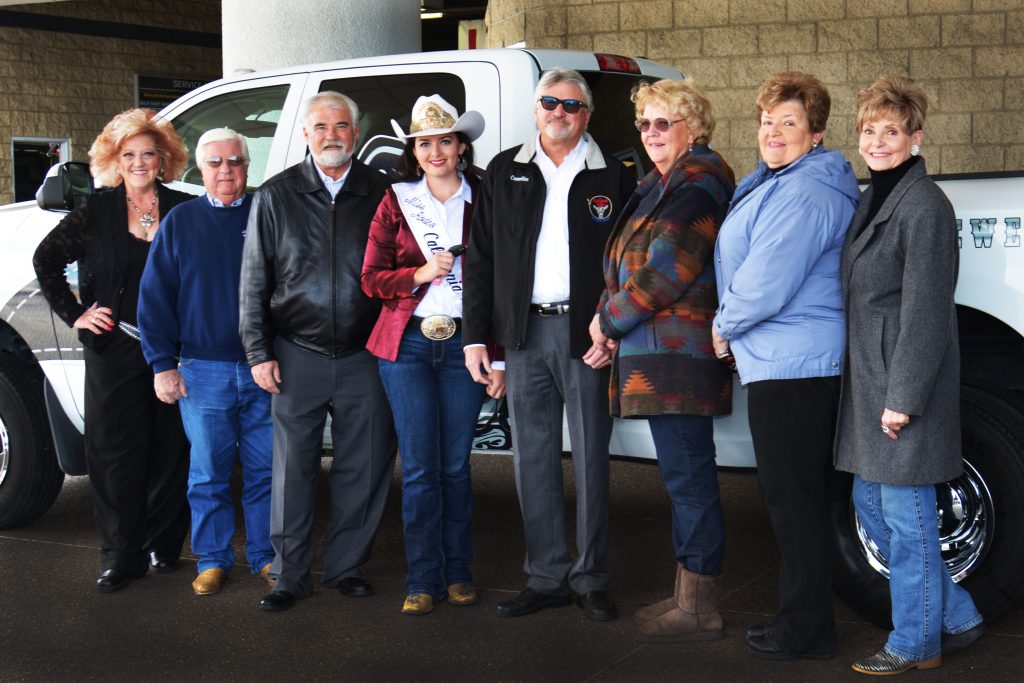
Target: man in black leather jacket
304,324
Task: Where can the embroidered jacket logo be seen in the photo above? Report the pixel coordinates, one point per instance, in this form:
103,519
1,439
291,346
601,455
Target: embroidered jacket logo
600,208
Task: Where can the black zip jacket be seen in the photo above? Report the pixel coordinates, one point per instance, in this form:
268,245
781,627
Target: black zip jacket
302,260
498,276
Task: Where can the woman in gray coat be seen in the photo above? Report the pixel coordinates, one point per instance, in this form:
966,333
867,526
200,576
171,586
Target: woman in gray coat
899,423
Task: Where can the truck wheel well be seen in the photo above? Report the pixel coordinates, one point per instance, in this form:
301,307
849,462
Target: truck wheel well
991,352
11,342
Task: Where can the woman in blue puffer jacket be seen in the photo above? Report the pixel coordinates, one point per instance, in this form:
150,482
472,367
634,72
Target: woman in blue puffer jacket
780,319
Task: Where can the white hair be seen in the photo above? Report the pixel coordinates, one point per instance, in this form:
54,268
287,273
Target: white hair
332,100
560,75
219,135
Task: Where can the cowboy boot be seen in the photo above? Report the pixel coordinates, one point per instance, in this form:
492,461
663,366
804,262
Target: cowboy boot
694,617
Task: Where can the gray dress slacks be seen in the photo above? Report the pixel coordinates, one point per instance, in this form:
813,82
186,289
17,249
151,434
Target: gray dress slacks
541,380
364,447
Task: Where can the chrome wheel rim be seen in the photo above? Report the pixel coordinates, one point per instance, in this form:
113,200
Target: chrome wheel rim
965,515
5,450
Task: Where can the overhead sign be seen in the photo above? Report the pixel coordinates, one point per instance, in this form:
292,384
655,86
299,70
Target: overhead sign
156,92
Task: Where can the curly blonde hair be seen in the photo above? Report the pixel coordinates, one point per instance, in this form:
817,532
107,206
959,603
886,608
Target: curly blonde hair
107,145
682,98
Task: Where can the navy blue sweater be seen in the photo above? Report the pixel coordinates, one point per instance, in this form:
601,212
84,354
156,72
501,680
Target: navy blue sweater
188,300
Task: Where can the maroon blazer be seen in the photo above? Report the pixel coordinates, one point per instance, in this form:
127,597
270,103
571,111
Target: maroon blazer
392,257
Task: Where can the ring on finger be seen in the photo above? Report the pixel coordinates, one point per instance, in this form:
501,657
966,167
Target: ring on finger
885,429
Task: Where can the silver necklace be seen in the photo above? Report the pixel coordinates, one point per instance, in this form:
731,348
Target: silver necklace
148,218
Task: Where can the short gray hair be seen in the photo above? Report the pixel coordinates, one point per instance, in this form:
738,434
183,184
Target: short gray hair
555,76
220,135
332,100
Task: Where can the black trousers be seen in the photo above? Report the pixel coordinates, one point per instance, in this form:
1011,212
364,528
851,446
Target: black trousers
137,456
792,423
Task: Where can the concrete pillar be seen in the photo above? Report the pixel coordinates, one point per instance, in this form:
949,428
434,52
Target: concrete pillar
273,34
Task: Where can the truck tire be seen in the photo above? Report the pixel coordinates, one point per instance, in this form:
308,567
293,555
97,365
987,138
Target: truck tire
30,477
981,517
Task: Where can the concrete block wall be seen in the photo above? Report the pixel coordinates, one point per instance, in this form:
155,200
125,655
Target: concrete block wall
69,85
968,55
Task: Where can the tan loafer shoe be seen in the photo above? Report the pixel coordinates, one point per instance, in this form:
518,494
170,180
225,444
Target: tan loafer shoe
418,604
265,575
209,581
462,594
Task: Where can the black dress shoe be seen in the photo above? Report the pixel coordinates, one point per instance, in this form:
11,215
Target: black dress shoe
162,565
759,630
764,646
597,606
529,601
954,642
277,601
354,587
111,581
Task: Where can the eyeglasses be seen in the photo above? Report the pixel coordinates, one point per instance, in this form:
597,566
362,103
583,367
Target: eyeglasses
214,162
660,125
568,106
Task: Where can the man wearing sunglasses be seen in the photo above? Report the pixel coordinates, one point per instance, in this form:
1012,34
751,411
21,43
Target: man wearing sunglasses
188,320
532,280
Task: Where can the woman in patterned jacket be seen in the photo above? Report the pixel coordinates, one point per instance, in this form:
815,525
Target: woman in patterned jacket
656,309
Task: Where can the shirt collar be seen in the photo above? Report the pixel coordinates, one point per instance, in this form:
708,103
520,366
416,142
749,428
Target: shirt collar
465,192
220,205
579,150
330,182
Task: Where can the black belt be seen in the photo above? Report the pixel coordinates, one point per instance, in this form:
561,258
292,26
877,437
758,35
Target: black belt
556,308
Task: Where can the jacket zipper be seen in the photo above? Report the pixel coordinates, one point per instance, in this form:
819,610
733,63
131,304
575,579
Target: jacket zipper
334,340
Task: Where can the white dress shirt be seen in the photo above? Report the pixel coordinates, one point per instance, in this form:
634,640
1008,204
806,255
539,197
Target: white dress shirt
437,301
551,265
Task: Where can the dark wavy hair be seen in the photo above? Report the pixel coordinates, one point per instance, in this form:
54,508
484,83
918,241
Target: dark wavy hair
408,169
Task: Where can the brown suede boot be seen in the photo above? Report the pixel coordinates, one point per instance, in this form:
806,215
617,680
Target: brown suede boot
645,614
694,617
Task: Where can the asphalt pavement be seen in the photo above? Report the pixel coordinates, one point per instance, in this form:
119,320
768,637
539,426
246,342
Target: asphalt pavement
54,626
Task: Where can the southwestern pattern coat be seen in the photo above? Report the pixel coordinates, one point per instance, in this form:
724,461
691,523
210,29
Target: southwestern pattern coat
660,294
899,272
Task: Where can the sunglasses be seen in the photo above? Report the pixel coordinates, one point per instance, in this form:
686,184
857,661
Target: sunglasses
660,125
214,162
568,106
728,360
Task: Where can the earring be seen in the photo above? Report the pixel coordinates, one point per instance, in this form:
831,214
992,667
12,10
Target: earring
690,148
915,149
419,170
814,145
461,164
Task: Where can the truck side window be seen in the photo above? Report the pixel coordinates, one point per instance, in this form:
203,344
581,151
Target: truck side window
391,96
254,114
612,123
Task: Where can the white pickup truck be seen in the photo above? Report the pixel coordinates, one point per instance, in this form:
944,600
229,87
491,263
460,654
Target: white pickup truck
981,515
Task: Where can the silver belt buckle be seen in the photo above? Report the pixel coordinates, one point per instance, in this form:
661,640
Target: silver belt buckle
438,327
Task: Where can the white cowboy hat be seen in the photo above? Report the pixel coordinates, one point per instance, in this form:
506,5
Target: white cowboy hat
433,116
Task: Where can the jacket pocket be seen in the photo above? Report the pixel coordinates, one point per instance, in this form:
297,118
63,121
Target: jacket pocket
877,355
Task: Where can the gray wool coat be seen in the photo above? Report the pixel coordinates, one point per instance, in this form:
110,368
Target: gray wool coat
902,351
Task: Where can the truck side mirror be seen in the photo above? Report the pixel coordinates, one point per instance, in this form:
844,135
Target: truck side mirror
66,186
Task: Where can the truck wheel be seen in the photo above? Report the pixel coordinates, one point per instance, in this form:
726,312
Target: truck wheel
30,477
980,517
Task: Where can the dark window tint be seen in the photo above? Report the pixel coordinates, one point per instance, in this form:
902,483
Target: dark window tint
612,122
386,97
252,113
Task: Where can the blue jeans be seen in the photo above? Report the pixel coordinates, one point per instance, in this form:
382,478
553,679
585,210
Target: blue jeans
435,403
686,460
925,601
227,418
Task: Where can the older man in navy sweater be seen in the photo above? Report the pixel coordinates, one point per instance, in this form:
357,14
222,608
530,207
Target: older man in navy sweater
188,318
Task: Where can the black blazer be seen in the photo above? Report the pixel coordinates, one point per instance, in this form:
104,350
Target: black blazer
96,235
